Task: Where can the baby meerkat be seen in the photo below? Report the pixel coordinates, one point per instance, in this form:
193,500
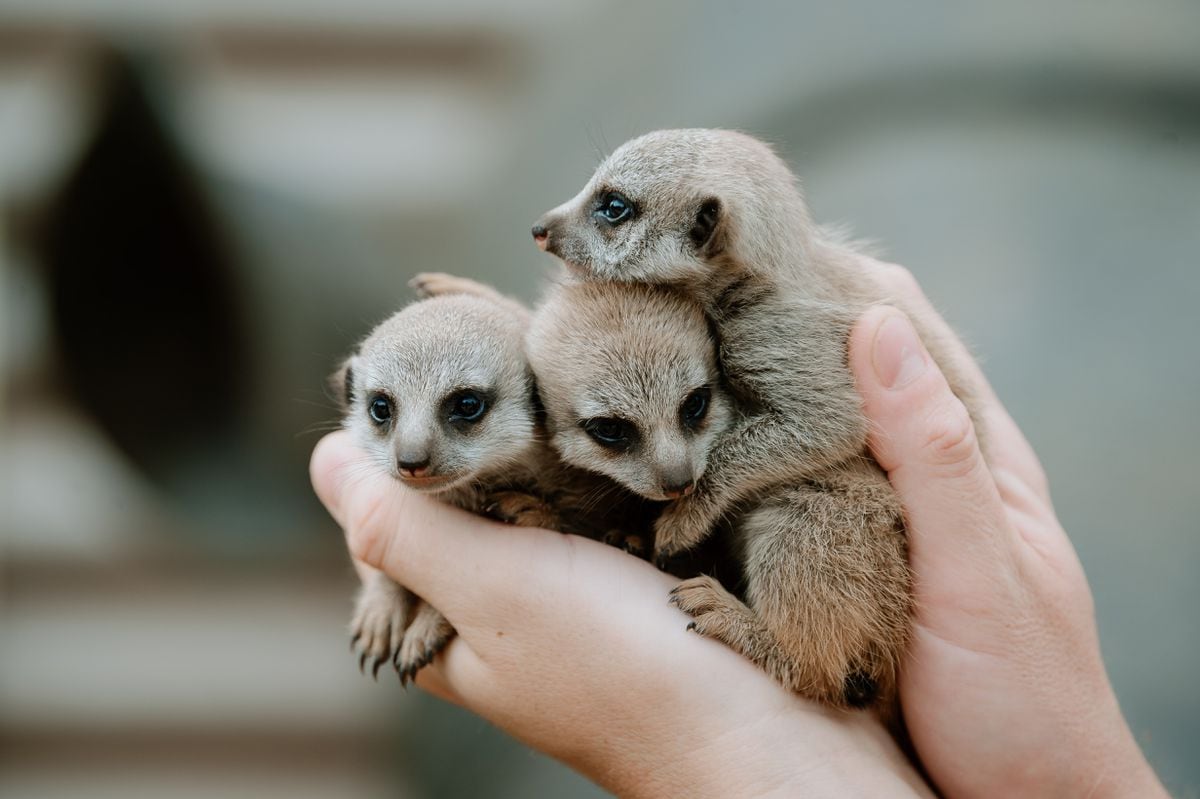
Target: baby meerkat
441,397
629,379
719,215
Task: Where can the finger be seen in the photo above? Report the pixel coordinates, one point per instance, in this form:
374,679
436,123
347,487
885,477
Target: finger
1007,445
456,675
922,436
457,561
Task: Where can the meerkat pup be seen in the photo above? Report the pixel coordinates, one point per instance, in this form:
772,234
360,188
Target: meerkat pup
629,379
441,397
719,216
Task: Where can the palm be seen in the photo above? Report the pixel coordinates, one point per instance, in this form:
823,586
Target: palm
990,644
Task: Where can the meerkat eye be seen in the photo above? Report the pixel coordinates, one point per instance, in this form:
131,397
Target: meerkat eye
380,409
614,209
467,406
694,408
615,434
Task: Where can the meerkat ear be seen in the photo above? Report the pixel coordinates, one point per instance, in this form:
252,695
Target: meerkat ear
342,383
706,232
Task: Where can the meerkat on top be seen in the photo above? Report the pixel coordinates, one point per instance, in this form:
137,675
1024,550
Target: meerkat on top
629,380
718,215
441,397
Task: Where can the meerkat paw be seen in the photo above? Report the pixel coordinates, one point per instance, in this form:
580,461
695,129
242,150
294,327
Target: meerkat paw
377,627
633,543
716,613
435,284
423,640
682,525
522,509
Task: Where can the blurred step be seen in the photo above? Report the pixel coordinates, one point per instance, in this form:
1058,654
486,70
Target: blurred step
199,647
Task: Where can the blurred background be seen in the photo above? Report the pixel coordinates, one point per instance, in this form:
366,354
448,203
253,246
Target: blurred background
204,203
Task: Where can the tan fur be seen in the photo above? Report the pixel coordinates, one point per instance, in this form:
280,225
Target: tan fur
718,217
626,353
464,337
827,588
828,581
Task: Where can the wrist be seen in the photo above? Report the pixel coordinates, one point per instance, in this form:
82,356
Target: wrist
1093,755
805,751
1123,771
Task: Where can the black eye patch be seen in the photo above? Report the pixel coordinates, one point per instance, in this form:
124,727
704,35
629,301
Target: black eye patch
611,433
379,408
613,208
467,406
695,408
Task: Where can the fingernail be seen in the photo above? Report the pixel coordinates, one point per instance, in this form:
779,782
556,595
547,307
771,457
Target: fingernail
898,356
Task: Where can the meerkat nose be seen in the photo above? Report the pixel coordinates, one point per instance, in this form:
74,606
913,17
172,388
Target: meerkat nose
540,234
677,491
413,468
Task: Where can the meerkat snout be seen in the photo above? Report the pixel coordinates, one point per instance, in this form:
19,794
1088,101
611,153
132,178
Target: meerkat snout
539,236
410,469
677,490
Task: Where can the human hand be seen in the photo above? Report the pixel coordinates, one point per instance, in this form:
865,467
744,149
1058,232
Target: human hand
572,647
1004,691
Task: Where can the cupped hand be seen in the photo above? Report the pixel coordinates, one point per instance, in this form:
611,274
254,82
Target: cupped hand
572,647
1004,691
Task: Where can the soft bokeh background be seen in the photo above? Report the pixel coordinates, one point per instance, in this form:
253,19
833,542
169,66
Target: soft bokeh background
204,202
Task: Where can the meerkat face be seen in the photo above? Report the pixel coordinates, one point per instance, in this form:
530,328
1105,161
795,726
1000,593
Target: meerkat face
658,209
440,393
628,378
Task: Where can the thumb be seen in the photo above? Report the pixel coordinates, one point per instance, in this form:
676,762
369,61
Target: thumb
922,435
452,559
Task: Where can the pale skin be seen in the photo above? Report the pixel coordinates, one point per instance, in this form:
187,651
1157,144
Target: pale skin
572,646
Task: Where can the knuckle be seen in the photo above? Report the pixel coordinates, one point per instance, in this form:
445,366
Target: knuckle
949,439
1038,479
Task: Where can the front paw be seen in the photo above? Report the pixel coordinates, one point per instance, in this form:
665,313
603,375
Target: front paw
633,543
715,612
522,509
377,627
423,640
682,524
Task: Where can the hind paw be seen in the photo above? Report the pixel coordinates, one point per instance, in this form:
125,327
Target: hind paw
425,638
378,623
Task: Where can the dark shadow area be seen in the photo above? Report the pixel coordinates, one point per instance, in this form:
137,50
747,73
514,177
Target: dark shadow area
149,335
